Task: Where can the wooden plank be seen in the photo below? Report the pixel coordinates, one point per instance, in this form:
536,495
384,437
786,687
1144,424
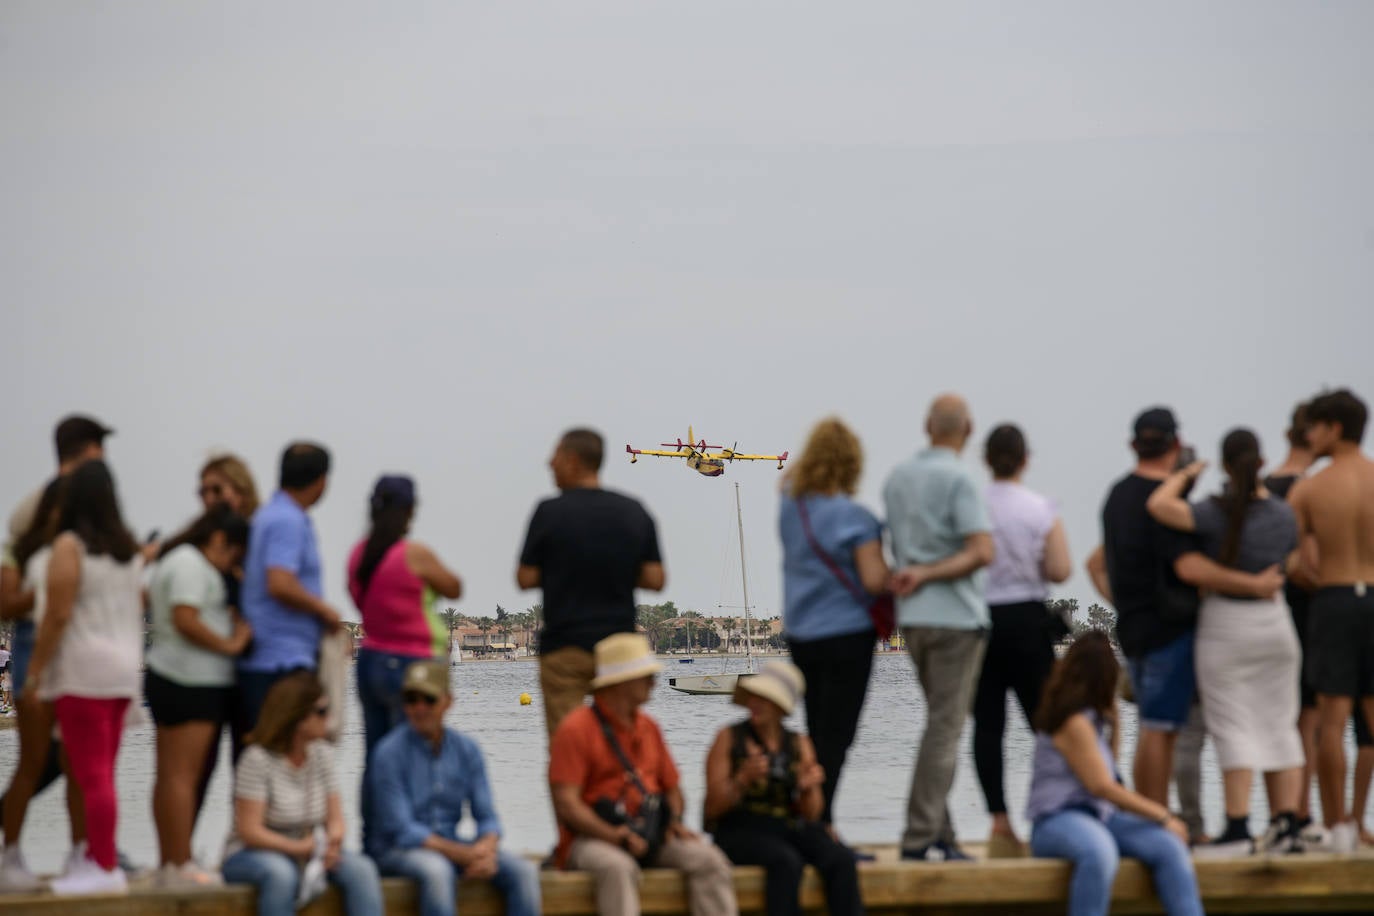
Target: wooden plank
1291,884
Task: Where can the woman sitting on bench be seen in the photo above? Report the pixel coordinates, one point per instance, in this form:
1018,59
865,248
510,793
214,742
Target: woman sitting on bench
1078,806
764,800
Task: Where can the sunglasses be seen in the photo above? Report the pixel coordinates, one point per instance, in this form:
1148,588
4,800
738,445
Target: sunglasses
320,711
411,697
212,490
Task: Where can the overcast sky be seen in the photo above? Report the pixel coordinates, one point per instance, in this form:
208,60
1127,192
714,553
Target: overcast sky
433,235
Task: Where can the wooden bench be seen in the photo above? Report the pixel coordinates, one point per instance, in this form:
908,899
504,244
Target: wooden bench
1292,884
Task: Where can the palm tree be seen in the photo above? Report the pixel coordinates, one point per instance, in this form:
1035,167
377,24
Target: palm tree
763,628
730,626
454,621
485,624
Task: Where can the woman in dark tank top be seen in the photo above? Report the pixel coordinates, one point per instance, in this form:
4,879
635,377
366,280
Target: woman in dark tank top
764,799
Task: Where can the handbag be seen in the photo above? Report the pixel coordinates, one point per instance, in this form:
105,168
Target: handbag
882,608
650,823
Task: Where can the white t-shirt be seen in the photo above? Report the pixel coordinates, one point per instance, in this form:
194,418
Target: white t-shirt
184,576
101,652
1021,519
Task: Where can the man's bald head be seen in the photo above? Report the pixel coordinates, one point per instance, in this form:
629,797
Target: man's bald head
948,422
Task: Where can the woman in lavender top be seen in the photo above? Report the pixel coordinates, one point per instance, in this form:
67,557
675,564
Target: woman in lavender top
1080,809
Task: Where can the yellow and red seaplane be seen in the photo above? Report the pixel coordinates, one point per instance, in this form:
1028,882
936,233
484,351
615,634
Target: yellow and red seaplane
700,457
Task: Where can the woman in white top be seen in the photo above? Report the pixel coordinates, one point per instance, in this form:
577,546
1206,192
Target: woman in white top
1032,552
190,678
87,659
288,816
38,764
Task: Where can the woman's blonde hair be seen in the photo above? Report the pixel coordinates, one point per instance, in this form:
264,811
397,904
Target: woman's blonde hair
233,469
832,460
287,704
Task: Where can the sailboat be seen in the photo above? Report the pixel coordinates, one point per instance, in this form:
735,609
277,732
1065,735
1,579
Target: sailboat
724,684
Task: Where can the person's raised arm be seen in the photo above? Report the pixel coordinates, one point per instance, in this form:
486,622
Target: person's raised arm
431,570
1167,505
1076,740
1201,572
1096,568
1057,564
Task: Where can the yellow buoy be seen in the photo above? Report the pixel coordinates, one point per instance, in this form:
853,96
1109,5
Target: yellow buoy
525,699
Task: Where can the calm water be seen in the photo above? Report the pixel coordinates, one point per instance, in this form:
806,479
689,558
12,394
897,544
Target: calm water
870,808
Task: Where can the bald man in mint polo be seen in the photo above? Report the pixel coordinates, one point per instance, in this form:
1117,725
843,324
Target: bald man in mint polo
941,540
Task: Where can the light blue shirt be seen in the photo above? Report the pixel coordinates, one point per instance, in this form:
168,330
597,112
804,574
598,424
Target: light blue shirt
282,537
816,604
933,505
416,792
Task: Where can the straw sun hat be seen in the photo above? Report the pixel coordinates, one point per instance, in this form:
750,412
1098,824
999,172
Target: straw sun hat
780,682
623,657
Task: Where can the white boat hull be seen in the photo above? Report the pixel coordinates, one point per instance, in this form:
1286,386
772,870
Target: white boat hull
706,684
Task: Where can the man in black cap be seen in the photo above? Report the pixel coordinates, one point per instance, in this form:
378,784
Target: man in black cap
77,439
1137,568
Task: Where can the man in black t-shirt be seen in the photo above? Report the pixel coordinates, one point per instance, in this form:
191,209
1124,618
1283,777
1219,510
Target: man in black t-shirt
589,549
1138,568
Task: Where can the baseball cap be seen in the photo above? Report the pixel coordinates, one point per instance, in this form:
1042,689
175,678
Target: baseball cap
1156,422
427,677
75,432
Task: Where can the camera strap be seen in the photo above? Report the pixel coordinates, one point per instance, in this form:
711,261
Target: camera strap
620,754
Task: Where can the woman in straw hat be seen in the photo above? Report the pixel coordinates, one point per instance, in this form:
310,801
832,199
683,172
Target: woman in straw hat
764,799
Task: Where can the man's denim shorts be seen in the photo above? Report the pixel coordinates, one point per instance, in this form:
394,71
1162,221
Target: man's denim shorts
1164,684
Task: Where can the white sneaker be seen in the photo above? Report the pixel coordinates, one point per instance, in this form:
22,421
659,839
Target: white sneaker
15,877
86,877
1345,838
76,857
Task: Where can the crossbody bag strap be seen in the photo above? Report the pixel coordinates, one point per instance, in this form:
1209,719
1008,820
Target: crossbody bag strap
826,558
619,752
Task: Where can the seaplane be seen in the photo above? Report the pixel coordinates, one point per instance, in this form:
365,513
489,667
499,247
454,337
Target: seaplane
700,457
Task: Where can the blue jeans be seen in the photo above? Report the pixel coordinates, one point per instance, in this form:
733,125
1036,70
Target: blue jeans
24,636
1164,682
276,877
379,677
1095,848
436,877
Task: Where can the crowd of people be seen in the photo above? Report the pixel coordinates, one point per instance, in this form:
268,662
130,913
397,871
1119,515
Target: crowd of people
1246,614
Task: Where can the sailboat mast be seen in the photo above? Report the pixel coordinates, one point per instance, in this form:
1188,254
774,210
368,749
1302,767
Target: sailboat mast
744,581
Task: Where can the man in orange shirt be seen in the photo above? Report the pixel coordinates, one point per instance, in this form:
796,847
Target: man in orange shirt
615,792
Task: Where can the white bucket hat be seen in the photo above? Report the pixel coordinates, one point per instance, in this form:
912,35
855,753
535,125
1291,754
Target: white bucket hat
623,657
780,682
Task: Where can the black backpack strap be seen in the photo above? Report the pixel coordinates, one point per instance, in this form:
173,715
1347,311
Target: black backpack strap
619,752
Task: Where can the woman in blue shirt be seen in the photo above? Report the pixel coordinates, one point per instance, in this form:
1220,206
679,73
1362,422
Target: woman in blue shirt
826,618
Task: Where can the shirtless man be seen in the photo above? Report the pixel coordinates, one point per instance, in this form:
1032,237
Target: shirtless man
1335,510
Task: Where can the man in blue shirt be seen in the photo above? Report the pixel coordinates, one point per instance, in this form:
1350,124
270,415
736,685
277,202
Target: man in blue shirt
941,540
420,777
282,593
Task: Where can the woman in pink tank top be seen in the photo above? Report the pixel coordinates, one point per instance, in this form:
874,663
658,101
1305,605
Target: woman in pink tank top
394,582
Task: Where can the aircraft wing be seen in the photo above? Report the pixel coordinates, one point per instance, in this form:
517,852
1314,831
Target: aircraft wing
737,456
681,453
